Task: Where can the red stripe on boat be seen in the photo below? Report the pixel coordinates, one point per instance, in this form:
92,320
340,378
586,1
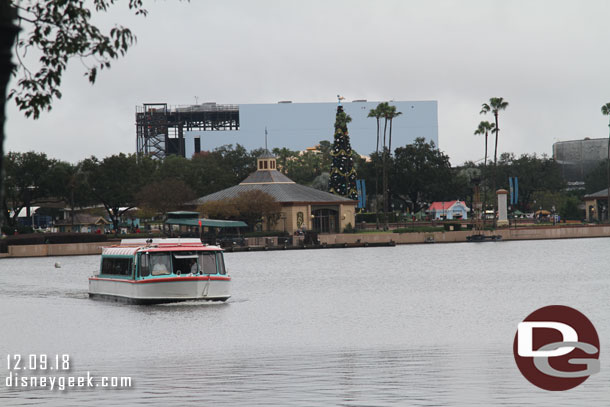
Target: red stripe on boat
163,280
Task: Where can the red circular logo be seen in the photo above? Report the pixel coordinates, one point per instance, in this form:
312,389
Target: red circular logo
556,348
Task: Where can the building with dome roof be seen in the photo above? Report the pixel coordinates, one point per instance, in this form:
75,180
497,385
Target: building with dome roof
302,207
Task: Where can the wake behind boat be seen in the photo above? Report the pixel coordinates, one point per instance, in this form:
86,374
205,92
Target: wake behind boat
157,271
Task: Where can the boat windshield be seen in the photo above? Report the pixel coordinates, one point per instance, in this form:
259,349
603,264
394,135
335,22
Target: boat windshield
116,266
181,263
207,262
185,263
160,264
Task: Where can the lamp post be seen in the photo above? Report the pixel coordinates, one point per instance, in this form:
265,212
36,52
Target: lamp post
29,194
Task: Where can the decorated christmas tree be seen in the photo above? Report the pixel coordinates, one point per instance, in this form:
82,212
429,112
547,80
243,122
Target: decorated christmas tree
342,173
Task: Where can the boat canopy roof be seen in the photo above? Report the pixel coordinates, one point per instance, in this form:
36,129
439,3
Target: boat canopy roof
207,222
130,247
165,242
119,251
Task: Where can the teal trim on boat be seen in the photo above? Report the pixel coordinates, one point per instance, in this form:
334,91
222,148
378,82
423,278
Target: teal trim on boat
207,223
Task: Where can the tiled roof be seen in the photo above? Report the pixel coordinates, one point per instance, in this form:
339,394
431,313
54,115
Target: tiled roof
599,194
279,186
266,177
83,219
440,206
266,154
289,192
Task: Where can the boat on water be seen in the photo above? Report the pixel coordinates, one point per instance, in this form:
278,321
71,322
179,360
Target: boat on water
154,271
479,237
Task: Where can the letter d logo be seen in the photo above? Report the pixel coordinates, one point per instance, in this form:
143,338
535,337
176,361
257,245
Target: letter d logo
556,348
525,338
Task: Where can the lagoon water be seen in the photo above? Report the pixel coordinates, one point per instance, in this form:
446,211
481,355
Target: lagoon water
420,325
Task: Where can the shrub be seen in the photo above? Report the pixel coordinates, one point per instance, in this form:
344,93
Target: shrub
453,226
271,233
50,238
370,217
349,229
419,229
57,238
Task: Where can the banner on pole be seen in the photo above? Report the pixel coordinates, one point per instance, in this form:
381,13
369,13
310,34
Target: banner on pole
361,189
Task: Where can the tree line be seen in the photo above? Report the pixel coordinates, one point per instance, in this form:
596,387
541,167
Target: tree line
417,174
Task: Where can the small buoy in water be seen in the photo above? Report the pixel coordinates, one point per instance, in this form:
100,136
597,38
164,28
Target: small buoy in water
57,265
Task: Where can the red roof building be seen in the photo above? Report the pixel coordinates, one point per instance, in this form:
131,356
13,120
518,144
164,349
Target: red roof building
449,210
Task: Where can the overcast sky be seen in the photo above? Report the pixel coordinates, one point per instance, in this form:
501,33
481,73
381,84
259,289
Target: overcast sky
549,59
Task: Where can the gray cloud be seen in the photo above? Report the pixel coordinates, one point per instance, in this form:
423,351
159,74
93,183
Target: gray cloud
547,58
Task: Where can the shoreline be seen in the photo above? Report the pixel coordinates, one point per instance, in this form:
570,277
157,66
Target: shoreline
345,240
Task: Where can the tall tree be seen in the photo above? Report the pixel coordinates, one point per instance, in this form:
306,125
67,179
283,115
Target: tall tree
162,196
342,172
248,206
69,184
8,33
60,30
494,106
114,182
377,113
484,128
27,179
283,156
606,112
535,174
422,173
389,114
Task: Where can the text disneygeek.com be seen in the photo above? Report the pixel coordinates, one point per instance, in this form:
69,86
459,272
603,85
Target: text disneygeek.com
15,380
20,365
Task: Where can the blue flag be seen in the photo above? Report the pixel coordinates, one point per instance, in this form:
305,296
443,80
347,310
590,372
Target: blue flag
360,187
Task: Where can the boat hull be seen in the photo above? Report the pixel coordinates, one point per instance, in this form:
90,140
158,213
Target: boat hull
161,290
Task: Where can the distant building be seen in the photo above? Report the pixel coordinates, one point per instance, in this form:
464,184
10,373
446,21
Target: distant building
596,205
301,207
185,130
577,158
83,223
448,210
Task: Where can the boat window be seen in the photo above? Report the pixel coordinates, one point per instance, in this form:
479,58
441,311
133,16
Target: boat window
185,263
116,266
144,265
207,262
221,263
160,264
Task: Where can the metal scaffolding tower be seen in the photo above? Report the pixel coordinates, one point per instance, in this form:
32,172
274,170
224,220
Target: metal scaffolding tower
160,129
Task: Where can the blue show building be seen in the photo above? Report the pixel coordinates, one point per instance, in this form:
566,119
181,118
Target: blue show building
186,130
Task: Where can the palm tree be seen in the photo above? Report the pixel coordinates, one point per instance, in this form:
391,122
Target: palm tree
384,107
389,114
606,112
377,113
484,128
494,106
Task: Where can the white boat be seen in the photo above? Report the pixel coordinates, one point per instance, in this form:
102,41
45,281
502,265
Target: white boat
153,271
